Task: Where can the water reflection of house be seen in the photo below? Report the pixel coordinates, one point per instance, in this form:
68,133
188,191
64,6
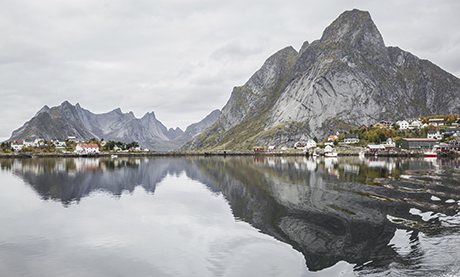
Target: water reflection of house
351,168
384,164
86,165
311,165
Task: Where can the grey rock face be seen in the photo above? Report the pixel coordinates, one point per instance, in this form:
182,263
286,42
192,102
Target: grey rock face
197,128
67,120
345,79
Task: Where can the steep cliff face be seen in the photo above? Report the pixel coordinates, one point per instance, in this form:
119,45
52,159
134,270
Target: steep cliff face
347,78
243,115
68,120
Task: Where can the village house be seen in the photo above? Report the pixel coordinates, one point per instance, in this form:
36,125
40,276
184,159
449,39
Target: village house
403,124
351,139
87,148
390,143
332,138
29,143
436,122
384,124
418,143
415,124
17,145
299,145
451,132
59,144
329,148
311,144
434,135
456,122
449,147
375,148
270,148
72,139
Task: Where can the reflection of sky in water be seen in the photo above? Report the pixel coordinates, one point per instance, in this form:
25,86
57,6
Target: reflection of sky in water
176,217
183,230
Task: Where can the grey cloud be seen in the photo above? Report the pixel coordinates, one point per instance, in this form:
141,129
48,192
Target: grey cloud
235,49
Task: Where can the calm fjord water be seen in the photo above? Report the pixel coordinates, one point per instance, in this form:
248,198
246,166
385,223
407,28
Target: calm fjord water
229,217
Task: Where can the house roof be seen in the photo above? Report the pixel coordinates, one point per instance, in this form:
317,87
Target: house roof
435,119
351,136
420,139
88,145
376,146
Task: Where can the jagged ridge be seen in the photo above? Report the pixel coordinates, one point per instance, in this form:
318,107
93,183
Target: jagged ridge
67,120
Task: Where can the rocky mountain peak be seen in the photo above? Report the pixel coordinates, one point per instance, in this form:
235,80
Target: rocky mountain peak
304,47
274,68
43,110
66,104
149,115
353,28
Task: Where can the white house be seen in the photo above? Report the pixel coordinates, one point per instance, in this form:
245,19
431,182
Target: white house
87,148
456,122
390,143
59,144
270,148
416,124
375,147
434,135
436,121
29,143
403,124
72,138
299,145
17,145
328,148
332,138
351,138
310,144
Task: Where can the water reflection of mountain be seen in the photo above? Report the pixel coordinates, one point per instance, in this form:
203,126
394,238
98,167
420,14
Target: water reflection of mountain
68,180
330,210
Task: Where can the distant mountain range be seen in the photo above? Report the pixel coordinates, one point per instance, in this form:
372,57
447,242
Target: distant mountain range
343,80
68,120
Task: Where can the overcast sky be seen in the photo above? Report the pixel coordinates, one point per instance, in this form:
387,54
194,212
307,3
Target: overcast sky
180,59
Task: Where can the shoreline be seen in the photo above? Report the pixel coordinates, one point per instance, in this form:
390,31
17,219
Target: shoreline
411,154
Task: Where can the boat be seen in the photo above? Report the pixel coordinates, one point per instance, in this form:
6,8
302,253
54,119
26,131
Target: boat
433,153
114,156
430,154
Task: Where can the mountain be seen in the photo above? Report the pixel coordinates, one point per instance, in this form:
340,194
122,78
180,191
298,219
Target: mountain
347,78
68,120
196,128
